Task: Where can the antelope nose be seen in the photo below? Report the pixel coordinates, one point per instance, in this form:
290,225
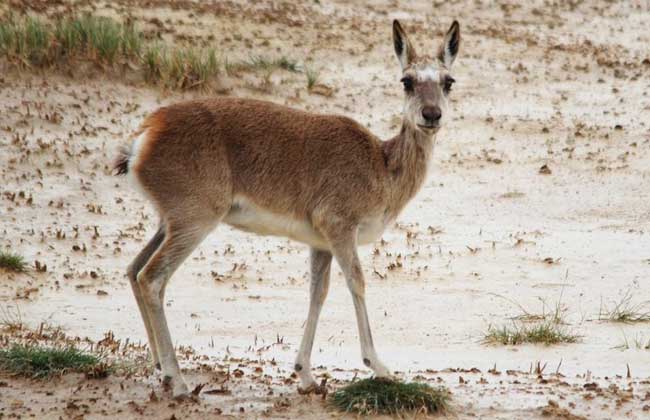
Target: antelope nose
431,114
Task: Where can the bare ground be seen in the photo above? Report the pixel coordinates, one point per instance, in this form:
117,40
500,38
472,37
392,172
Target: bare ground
562,86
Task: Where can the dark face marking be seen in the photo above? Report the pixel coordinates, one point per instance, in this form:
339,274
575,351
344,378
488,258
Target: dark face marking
408,83
427,83
454,39
447,83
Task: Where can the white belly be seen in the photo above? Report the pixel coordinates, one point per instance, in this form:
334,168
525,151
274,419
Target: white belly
246,216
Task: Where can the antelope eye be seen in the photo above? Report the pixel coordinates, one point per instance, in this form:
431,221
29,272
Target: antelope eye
448,82
408,83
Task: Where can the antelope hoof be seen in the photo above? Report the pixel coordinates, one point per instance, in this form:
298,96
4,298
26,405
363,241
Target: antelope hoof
313,388
309,389
386,379
180,392
382,372
177,386
186,397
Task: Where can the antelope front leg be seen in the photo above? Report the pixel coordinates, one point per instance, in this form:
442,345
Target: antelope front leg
320,262
345,251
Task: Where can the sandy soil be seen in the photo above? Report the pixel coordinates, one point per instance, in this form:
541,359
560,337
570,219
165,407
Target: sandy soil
563,86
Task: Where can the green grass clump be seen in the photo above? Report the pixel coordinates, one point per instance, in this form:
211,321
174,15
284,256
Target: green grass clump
375,396
132,40
546,332
180,68
33,42
12,262
27,41
103,40
101,36
64,42
36,41
42,362
152,60
97,38
548,327
312,77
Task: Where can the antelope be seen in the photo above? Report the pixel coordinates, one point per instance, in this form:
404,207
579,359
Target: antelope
323,180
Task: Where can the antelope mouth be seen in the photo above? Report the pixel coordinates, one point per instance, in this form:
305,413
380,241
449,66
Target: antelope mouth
428,128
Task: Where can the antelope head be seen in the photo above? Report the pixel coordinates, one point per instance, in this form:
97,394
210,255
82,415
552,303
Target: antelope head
427,81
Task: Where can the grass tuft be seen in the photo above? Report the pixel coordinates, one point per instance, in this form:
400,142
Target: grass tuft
287,64
639,342
548,327
625,311
26,41
42,362
153,61
102,37
132,41
262,63
312,77
11,320
12,262
545,332
375,396
36,41
180,68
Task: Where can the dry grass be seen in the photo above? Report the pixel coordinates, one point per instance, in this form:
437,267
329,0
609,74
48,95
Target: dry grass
625,311
638,342
11,320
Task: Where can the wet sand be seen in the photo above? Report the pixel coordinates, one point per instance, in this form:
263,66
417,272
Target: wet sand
557,86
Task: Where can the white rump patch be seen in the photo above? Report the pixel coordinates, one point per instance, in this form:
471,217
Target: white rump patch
136,152
136,149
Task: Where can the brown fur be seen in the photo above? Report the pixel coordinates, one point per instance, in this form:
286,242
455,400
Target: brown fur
323,179
285,160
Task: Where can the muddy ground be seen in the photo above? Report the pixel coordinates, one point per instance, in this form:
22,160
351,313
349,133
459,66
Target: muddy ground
561,84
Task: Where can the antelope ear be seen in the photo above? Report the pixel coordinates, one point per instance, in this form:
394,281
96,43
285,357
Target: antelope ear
403,48
449,48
